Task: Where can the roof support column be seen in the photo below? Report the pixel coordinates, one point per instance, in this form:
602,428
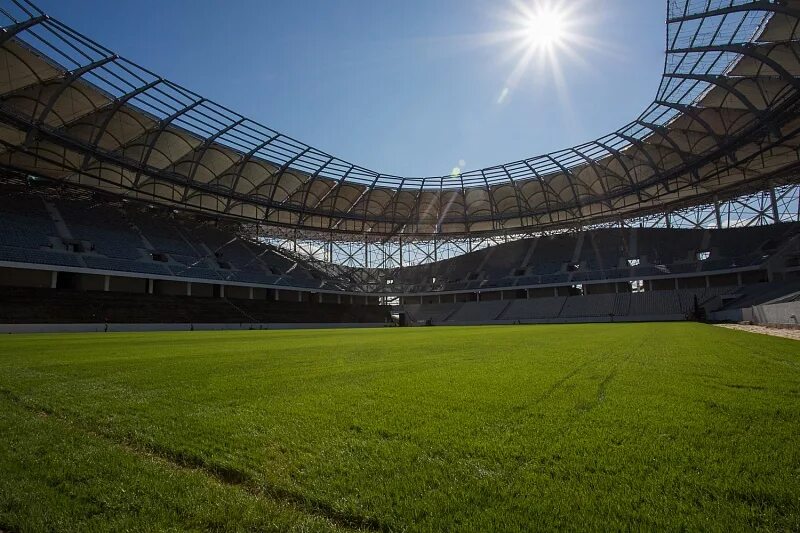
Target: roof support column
776,217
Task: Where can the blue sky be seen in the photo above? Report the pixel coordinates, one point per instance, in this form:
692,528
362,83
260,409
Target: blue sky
409,87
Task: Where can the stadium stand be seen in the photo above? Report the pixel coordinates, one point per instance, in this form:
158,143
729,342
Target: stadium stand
431,313
102,229
24,223
480,312
654,303
536,308
681,273
601,305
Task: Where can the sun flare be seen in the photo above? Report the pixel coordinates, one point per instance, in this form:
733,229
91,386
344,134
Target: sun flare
545,27
543,38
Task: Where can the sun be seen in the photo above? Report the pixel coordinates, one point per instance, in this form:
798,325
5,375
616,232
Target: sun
543,38
545,27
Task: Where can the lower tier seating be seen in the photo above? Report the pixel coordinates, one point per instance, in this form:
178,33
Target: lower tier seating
56,306
652,305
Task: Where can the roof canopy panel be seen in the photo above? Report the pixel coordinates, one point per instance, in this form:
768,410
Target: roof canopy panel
724,119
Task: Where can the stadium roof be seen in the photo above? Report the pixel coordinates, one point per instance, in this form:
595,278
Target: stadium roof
724,121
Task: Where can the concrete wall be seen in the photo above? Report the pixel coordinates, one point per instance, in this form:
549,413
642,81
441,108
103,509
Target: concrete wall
723,280
520,294
91,328
603,288
754,276
662,284
730,315
21,277
169,288
286,296
90,282
541,292
134,285
698,282
203,290
329,298
239,293
788,313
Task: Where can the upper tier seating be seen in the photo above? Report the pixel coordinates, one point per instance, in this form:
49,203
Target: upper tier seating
599,255
104,227
110,239
663,246
24,223
164,235
39,257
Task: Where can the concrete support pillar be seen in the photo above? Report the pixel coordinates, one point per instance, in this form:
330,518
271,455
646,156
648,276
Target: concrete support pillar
739,279
299,296
53,279
222,291
150,286
106,283
188,288
527,294
338,298
251,293
477,296
555,291
676,283
708,281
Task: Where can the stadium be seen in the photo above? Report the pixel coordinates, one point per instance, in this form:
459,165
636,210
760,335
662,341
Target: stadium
212,325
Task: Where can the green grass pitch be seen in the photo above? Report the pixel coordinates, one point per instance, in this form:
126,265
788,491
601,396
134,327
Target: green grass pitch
602,427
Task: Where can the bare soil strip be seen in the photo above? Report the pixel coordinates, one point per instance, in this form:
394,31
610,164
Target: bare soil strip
775,332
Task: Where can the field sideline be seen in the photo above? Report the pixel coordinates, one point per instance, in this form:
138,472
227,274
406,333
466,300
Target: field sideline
668,426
